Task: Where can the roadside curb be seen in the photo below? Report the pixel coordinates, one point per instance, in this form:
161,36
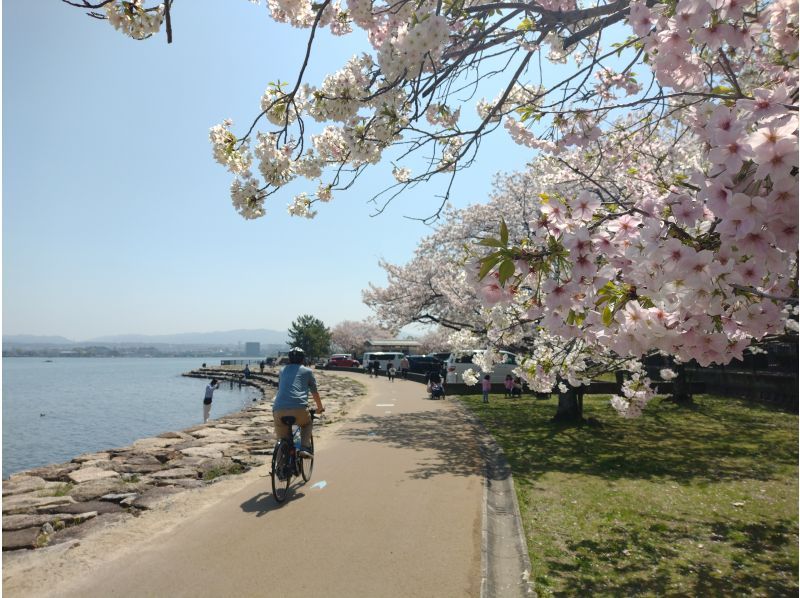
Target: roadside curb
505,564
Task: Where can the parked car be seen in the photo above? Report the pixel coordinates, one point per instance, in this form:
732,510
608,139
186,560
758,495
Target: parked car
342,361
423,364
383,358
459,362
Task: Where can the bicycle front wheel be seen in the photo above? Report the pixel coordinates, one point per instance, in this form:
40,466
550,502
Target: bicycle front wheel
307,465
281,476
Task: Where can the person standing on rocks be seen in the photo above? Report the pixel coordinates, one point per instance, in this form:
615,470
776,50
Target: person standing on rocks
294,384
212,386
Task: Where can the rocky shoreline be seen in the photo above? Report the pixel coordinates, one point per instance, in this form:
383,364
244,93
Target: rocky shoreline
61,503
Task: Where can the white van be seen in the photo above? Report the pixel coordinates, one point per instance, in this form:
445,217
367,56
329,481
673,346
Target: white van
461,361
383,357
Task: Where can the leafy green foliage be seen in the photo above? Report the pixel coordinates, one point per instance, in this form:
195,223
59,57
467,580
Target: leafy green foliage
309,333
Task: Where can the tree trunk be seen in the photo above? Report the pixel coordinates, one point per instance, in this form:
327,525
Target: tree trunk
570,406
681,388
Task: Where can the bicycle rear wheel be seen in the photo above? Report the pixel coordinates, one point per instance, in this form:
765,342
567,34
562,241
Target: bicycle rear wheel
307,465
281,476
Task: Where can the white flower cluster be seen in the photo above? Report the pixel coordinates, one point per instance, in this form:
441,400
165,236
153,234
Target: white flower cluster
401,175
667,374
223,146
470,377
301,206
132,19
274,103
247,198
274,163
404,53
341,94
441,114
450,154
637,394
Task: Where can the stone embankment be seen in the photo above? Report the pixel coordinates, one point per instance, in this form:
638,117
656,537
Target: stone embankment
63,502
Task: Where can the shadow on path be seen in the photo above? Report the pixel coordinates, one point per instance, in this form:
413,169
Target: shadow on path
452,439
263,502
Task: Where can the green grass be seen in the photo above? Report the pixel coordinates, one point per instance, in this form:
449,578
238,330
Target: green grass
217,472
685,501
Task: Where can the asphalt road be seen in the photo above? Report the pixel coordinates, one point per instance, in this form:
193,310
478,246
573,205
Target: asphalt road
393,509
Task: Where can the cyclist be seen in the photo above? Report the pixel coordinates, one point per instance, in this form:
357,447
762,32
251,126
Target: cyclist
294,383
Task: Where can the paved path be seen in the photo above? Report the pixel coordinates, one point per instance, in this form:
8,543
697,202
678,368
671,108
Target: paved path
399,515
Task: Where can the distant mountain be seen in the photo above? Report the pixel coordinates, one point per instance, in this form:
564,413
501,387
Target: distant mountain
227,337
32,339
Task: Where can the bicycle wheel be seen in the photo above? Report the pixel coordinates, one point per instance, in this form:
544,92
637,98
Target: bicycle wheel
307,465
281,476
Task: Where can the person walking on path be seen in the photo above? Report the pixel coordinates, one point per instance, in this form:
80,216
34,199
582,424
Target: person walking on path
486,386
246,371
212,386
404,365
294,384
390,372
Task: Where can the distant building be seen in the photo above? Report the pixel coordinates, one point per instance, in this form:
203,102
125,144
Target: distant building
392,345
252,349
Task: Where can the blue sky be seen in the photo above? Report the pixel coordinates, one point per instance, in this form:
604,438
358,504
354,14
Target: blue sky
117,220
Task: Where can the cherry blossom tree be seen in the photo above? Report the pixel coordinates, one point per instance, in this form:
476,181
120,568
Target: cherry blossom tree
604,255
403,98
350,336
665,145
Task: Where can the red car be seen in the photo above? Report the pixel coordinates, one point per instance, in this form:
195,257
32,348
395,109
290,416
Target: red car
342,361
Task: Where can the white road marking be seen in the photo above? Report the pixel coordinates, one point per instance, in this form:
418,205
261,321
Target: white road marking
385,405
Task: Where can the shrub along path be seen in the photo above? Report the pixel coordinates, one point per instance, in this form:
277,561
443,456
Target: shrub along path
689,501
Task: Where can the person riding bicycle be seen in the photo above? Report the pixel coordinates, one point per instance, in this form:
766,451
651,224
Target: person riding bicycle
294,383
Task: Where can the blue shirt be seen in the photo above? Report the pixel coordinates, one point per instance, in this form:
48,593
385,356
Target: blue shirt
293,385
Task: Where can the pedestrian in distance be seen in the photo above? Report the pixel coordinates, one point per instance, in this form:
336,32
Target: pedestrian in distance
390,372
246,371
486,386
212,386
261,366
509,385
404,366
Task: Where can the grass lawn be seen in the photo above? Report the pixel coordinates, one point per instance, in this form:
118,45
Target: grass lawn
685,501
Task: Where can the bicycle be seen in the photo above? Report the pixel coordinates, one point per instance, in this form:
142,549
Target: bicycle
286,463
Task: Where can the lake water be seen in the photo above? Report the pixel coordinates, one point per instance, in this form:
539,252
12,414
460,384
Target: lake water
55,411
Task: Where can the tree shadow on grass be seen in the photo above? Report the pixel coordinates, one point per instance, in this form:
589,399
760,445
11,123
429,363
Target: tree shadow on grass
452,440
650,561
711,441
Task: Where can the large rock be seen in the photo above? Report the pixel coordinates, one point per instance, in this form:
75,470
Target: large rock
119,497
154,497
211,451
181,482
177,472
22,484
79,508
136,463
96,488
92,457
22,503
24,538
76,532
178,435
86,474
18,522
152,443
54,473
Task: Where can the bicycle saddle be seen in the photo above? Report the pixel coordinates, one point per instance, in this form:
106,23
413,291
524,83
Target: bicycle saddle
288,420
